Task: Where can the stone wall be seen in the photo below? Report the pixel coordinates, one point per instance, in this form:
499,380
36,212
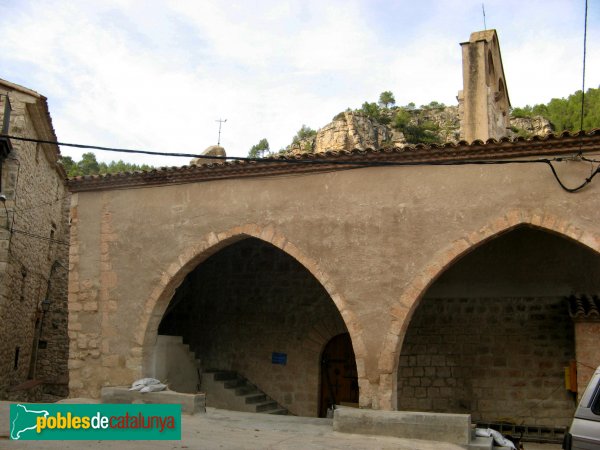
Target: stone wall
53,355
496,358
247,301
33,250
587,338
375,238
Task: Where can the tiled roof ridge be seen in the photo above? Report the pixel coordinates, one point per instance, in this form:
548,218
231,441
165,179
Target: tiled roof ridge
584,307
272,165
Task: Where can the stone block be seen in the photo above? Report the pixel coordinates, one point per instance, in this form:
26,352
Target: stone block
451,428
190,403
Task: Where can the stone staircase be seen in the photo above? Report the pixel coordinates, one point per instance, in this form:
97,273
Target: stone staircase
228,390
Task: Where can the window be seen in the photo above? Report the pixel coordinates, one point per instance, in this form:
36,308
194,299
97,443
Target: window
16,365
595,404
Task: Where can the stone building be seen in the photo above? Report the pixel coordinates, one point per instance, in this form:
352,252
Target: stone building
34,236
451,281
413,281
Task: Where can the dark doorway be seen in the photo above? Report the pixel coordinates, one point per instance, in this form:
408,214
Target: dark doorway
339,379
492,335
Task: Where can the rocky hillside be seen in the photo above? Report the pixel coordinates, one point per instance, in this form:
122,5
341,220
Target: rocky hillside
398,126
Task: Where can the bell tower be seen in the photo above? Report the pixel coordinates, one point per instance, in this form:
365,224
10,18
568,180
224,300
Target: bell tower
484,105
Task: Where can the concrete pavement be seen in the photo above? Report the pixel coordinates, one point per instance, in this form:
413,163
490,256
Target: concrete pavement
220,429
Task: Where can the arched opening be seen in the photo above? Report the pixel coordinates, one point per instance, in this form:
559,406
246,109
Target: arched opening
492,335
251,316
491,72
339,379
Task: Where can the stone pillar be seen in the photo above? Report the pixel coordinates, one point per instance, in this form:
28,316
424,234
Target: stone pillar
585,312
587,351
483,103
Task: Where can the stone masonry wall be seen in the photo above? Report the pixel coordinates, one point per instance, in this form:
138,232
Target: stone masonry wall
36,197
250,300
496,358
53,355
587,338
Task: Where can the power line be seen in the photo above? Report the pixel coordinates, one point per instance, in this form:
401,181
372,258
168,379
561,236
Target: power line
39,205
37,236
344,164
584,58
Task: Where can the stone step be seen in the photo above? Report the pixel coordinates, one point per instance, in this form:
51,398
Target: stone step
225,376
233,384
266,406
246,389
256,398
228,390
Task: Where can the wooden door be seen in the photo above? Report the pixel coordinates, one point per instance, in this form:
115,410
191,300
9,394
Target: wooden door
339,380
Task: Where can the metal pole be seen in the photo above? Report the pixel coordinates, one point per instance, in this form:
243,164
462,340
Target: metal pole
220,122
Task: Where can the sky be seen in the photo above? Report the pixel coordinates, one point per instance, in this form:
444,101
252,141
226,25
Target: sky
158,74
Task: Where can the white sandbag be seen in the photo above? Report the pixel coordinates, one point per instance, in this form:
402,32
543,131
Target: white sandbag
482,432
143,382
498,438
154,388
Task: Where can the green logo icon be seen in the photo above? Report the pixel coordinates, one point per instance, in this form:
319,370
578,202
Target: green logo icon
95,422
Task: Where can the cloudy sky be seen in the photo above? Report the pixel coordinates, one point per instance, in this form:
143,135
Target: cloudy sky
157,74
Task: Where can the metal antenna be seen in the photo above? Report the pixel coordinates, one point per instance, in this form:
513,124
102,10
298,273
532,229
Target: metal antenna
483,9
220,123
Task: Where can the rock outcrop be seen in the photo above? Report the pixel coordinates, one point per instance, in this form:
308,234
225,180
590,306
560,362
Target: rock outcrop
213,150
531,126
354,130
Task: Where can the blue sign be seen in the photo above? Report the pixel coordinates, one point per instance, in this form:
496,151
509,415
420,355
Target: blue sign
279,358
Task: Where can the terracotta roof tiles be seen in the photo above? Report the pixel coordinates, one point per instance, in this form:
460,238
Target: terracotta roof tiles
505,148
584,307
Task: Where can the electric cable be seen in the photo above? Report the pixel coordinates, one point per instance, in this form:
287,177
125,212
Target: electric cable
344,164
39,205
37,236
585,15
584,58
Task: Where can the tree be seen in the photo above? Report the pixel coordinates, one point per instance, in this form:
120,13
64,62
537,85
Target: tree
69,165
415,129
88,164
402,119
372,111
259,150
304,133
434,104
386,98
565,113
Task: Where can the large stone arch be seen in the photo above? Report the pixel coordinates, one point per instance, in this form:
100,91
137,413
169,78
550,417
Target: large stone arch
174,272
402,311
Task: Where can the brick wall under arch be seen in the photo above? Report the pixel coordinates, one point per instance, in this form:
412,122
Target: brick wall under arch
402,311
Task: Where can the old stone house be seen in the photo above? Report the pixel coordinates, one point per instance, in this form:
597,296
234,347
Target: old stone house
427,277
34,236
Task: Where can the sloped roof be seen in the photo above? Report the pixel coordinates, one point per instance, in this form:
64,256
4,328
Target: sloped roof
420,154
